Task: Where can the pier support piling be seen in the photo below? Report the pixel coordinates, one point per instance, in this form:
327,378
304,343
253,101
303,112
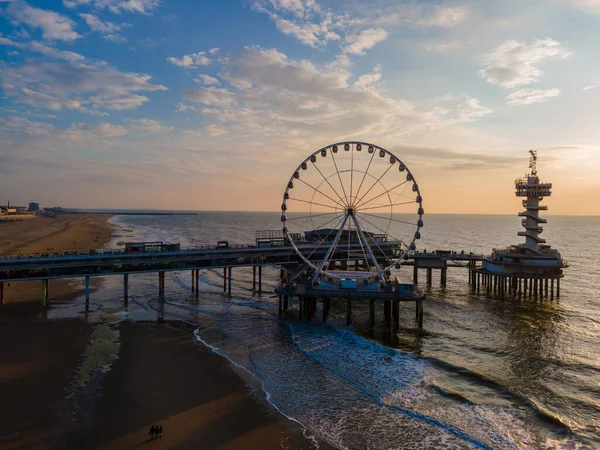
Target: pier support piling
161,283
229,281
1,293
372,313
280,306
387,311
44,293
552,289
419,308
415,273
224,279
197,278
253,278
259,279
126,287
193,280
87,292
326,306
285,302
558,287
396,312
429,271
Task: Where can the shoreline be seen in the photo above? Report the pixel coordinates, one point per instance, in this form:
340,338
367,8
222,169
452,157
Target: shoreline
82,394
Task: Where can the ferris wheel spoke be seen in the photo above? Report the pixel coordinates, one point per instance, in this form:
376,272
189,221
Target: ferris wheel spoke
339,177
386,233
327,181
360,209
289,219
374,184
331,248
383,193
314,203
351,172
388,218
363,250
362,237
389,257
401,194
365,174
322,193
328,234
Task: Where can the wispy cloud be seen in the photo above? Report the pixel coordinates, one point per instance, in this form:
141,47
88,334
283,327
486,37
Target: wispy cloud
54,26
191,61
108,30
529,96
74,85
38,47
117,6
516,63
366,39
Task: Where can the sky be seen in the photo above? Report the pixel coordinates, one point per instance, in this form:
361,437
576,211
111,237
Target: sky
212,104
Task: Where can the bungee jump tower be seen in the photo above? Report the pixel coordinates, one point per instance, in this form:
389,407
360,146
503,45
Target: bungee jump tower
531,269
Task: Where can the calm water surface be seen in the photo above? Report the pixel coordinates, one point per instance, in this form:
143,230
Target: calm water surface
483,373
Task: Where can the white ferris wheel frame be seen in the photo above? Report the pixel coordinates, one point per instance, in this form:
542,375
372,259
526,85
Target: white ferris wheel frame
351,215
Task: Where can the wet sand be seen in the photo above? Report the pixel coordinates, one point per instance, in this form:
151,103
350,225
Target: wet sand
55,394
45,235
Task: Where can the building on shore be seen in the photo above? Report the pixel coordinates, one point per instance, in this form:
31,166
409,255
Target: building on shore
34,207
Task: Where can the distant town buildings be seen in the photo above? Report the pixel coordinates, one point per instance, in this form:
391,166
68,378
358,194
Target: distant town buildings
12,210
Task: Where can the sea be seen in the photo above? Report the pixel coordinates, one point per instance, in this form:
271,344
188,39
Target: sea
482,373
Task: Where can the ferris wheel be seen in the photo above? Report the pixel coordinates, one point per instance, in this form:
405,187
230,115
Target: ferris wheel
351,202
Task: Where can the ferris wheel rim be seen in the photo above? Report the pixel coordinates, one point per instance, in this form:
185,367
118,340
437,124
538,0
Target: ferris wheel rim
405,247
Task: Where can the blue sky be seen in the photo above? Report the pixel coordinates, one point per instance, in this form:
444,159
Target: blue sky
212,104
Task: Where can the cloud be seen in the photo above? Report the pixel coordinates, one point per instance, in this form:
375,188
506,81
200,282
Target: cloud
529,96
369,79
443,16
22,125
592,6
210,96
149,125
60,85
470,109
43,49
53,25
441,47
298,8
214,50
206,79
117,6
108,30
366,39
191,61
591,87
515,64
274,95
104,130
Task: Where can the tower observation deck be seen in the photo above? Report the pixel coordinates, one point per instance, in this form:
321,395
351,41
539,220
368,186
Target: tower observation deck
534,191
532,264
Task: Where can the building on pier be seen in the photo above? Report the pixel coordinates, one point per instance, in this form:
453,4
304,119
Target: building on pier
529,265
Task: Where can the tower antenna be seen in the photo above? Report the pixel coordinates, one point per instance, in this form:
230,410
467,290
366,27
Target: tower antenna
533,162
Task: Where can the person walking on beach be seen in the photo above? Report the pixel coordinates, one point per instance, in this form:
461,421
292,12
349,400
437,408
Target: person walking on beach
159,431
152,432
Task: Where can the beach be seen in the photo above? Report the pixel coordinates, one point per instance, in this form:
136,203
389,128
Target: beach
69,383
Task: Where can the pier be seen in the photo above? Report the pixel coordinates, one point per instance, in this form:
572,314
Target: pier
349,255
